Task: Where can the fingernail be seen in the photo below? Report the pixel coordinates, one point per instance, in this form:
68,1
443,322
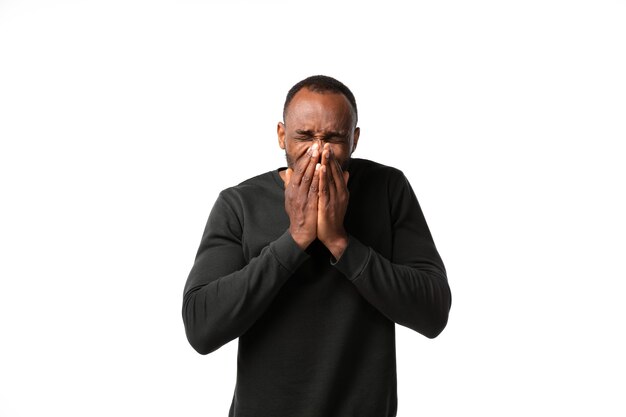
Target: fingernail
317,166
315,145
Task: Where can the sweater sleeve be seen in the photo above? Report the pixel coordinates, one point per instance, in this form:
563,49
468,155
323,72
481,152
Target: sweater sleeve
223,294
411,288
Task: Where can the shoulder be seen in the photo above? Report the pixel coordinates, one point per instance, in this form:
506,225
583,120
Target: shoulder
369,178
255,187
367,170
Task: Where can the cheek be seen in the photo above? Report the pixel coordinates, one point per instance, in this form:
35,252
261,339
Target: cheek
297,148
341,152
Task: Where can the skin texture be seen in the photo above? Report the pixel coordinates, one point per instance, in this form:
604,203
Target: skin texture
318,136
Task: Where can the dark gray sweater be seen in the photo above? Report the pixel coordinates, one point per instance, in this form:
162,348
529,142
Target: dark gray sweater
315,339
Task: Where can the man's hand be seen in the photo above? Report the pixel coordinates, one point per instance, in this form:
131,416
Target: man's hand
301,197
332,204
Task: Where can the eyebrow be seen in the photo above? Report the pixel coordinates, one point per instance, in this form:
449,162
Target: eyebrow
305,132
326,135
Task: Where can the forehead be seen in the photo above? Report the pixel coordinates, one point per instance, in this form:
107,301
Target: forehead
319,111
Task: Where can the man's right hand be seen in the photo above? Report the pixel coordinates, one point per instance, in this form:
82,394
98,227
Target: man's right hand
301,195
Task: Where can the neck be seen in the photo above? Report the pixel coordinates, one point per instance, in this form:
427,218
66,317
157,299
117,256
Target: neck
282,174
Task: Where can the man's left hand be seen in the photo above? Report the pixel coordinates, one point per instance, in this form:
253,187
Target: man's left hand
332,204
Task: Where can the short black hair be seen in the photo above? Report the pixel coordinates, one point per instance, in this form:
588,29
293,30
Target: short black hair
322,84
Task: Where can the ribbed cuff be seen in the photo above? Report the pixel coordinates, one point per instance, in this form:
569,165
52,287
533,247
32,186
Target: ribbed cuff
354,258
287,252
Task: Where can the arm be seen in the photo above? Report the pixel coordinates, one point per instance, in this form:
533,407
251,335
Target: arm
223,295
411,289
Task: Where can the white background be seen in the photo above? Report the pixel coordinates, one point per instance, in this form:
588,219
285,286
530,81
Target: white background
120,121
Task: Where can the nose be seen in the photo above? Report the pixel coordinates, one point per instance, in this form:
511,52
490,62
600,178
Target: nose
320,143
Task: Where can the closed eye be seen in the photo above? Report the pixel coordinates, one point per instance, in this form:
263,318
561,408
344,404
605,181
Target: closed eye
336,139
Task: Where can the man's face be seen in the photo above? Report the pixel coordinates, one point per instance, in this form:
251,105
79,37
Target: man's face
321,118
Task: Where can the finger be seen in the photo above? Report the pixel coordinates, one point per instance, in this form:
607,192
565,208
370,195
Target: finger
307,176
337,172
324,169
306,164
346,177
300,167
312,201
327,188
325,154
315,182
298,171
323,192
288,175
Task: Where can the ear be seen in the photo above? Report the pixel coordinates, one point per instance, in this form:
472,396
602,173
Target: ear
280,131
355,141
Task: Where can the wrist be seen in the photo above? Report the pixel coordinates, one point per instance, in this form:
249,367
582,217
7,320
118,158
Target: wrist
337,246
302,239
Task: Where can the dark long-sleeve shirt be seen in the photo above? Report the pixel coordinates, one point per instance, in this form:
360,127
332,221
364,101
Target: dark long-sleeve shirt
316,339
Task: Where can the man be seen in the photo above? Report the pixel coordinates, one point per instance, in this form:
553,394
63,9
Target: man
311,266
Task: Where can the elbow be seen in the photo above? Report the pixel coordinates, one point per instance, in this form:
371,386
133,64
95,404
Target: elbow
438,316
200,344
428,323
200,334
436,326
201,338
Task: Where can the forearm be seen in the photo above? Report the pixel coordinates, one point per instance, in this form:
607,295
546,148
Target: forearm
416,296
217,310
